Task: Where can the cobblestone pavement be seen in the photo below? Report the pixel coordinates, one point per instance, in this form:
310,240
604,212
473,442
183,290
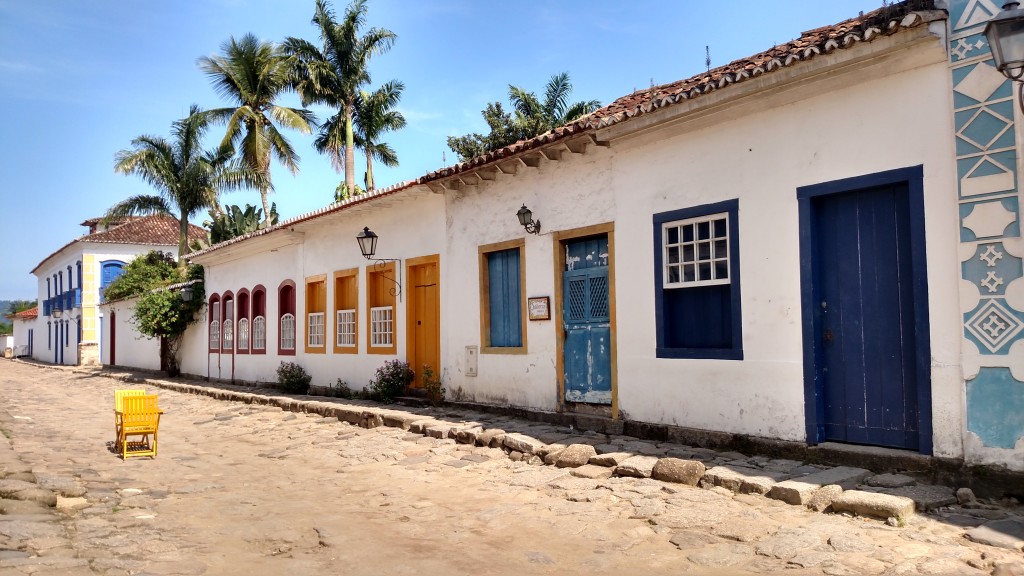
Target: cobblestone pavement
248,488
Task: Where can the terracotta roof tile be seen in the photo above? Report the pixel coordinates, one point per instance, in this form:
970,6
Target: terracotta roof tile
156,230
864,28
29,314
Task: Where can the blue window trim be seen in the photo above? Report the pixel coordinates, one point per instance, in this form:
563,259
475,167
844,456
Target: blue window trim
913,177
736,351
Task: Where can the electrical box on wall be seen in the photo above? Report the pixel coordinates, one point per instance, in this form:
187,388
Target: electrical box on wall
471,355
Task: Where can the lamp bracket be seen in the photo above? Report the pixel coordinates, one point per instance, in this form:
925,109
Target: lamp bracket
381,265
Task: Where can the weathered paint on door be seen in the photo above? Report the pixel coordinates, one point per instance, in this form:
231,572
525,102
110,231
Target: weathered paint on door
424,320
586,317
867,364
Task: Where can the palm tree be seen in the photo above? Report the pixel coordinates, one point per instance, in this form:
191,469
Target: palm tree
332,75
187,178
536,117
254,74
375,115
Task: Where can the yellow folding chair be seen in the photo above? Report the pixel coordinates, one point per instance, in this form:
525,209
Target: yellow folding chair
140,417
119,396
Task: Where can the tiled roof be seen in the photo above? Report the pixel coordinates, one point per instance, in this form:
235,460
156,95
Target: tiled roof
29,314
329,209
864,28
156,230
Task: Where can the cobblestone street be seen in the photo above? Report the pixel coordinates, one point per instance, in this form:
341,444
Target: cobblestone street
250,489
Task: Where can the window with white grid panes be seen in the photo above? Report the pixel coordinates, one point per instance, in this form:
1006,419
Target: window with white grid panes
288,332
382,326
696,251
346,328
243,333
697,280
316,330
215,325
259,333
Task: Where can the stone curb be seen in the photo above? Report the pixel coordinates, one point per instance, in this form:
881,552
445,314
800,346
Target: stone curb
546,450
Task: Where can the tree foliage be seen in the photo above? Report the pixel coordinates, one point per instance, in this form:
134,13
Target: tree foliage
234,222
333,73
187,178
253,75
375,115
160,312
530,116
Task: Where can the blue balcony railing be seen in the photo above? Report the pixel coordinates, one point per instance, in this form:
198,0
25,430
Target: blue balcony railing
76,298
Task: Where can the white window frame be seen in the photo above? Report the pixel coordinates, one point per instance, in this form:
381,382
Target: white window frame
243,333
695,244
346,328
259,333
316,328
227,334
382,327
288,332
215,327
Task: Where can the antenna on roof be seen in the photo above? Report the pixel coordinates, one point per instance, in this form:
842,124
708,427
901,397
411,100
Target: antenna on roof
707,57
444,161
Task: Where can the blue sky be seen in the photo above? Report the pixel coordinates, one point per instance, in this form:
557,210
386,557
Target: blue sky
79,80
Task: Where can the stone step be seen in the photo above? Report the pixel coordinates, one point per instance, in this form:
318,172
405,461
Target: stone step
743,479
874,504
799,491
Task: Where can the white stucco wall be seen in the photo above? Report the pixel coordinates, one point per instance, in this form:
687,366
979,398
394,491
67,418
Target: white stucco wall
872,122
409,224
21,335
92,255
131,349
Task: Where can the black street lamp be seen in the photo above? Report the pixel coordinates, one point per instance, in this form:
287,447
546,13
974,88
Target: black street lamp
1005,35
368,247
526,220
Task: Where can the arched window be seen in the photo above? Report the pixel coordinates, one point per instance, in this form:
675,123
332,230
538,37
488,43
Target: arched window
286,318
214,312
242,322
110,270
227,329
259,320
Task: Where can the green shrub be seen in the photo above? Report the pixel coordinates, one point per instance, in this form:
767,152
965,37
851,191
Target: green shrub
340,389
293,378
433,386
392,380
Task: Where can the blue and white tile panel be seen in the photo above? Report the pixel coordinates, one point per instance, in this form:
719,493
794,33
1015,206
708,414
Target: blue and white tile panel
991,249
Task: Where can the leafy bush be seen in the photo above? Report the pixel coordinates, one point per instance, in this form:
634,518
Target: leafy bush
340,389
293,378
433,386
151,270
392,380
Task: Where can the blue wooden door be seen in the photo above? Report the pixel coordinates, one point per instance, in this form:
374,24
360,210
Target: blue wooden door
586,316
867,366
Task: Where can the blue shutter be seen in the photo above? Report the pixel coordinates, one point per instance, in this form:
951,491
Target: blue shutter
505,298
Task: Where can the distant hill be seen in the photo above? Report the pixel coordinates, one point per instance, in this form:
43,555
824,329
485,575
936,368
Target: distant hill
12,306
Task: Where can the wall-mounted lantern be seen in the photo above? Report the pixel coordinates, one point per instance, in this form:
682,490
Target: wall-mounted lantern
367,240
186,294
1005,35
526,220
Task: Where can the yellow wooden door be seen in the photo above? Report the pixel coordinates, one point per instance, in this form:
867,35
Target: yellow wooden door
424,347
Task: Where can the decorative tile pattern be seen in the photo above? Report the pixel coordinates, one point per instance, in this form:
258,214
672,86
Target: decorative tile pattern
994,325
984,114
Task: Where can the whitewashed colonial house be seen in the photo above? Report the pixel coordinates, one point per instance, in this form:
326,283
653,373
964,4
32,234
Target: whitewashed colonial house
819,243
23,324
73,278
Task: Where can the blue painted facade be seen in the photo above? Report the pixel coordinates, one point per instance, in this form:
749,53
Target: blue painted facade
985,113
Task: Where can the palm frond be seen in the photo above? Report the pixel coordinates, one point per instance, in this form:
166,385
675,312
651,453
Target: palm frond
139,206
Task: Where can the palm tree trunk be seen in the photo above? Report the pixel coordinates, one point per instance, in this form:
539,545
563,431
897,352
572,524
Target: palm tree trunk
350,157
369,173
182,238
266,204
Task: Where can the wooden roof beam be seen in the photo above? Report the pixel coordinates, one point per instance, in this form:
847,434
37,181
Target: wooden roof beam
553,154
530,160
489,173
509,167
